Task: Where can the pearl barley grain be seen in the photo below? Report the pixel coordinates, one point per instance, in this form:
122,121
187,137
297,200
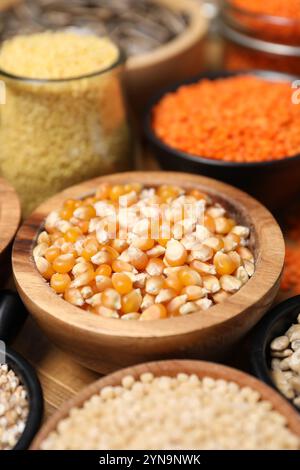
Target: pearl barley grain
13,408
172,413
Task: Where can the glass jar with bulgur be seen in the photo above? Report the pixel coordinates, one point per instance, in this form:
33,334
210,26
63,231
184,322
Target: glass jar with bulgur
64,120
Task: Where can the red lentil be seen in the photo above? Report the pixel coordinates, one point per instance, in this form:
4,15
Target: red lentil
284,9
231,119
291,274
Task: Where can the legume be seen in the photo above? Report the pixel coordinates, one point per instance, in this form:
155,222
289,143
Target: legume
284,9
148,253
13,408
230,119
285,365
54,134
182,412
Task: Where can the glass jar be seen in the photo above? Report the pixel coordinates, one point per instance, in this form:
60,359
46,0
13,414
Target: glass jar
254,40
55,133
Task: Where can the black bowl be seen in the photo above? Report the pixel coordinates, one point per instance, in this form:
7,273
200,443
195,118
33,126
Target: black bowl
30,381
274,324
275,183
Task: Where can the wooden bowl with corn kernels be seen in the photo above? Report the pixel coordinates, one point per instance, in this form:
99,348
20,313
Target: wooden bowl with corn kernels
106,344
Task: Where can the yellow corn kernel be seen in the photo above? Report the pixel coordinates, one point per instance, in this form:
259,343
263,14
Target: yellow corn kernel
86,212
224,225
197,194
193,292
72,234
203,268
83,225
215,243
106,312
209,223
44,238
224,264
111,251
64,263
154,285
90,248
110,298
166,192
173,282
143,244
132,302
74,296
138,258
119,266
60,282
220,296
245,254
119,245
211,283
66,213
116,192
52,253
102,283
163,241
176,254
103,191
155,312
122,283
44,268
71,204
175,304
189,277
231,241
155,267
103,270
137,187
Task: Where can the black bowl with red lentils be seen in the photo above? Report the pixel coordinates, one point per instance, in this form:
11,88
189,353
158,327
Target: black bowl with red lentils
239,127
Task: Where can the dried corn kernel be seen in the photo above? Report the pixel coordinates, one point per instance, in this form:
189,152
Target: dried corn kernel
155,312
122,283
142,277
60,282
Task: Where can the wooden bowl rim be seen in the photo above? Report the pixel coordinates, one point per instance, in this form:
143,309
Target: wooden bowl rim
269,264
10,214
195,31
171,368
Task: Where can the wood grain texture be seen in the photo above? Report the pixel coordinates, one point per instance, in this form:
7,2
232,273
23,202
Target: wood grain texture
10,216
172,368
61,378
106,344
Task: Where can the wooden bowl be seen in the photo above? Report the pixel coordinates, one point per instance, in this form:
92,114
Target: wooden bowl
107,344
172,368
10,216
178,59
